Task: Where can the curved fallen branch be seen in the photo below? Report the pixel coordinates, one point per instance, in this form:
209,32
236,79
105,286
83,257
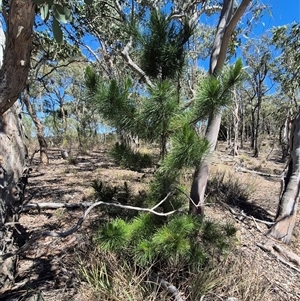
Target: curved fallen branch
257,172
70,231
285,256
39,206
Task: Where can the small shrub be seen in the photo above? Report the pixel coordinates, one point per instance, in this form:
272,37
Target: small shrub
116,194
127,158
217,235
228,189
71,161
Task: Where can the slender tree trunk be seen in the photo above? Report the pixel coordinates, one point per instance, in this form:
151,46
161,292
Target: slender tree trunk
289,198
252,132
227,23
202,170
39,126
243,128
13,154
228,131
257,123
284,137
235,126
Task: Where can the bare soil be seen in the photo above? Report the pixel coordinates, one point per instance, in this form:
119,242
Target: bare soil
49,266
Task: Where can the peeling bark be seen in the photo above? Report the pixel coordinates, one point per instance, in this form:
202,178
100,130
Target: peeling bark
289,198
16,62
13,153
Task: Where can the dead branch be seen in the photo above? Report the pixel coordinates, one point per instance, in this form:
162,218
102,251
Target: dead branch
244,215
32,156
238,168
171,289
82,219
286,257
39,206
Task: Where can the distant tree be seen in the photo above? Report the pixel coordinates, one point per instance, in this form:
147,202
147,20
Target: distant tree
257,57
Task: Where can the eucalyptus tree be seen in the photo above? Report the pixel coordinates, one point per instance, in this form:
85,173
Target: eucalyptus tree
18,18
285,73
229,17
15,64
47,56
287,40
258,60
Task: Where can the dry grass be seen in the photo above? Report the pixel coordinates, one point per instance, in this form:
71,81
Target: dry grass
243,274
112,279
231,278
107,278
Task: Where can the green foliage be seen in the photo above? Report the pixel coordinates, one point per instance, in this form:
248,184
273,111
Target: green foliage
59,13
123,155
214,91
91,78
187,149
172,240
167,60
146,243
113,100
57,32
287,65
156,112
169,242
113,236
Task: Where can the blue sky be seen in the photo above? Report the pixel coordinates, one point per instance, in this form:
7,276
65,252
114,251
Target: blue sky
284,12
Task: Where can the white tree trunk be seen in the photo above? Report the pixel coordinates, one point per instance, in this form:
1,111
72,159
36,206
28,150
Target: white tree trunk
227,23
289,198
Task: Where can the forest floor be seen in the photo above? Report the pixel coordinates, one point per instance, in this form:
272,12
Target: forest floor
49,267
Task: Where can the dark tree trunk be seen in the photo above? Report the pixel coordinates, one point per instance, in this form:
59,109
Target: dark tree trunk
13,154
39,126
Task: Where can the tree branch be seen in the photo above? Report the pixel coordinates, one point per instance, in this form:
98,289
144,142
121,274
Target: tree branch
134,66
257,172
81,220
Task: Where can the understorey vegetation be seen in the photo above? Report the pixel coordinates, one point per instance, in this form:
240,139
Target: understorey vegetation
139,255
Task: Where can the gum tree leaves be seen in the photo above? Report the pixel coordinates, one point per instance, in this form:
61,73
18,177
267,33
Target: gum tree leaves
60,15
